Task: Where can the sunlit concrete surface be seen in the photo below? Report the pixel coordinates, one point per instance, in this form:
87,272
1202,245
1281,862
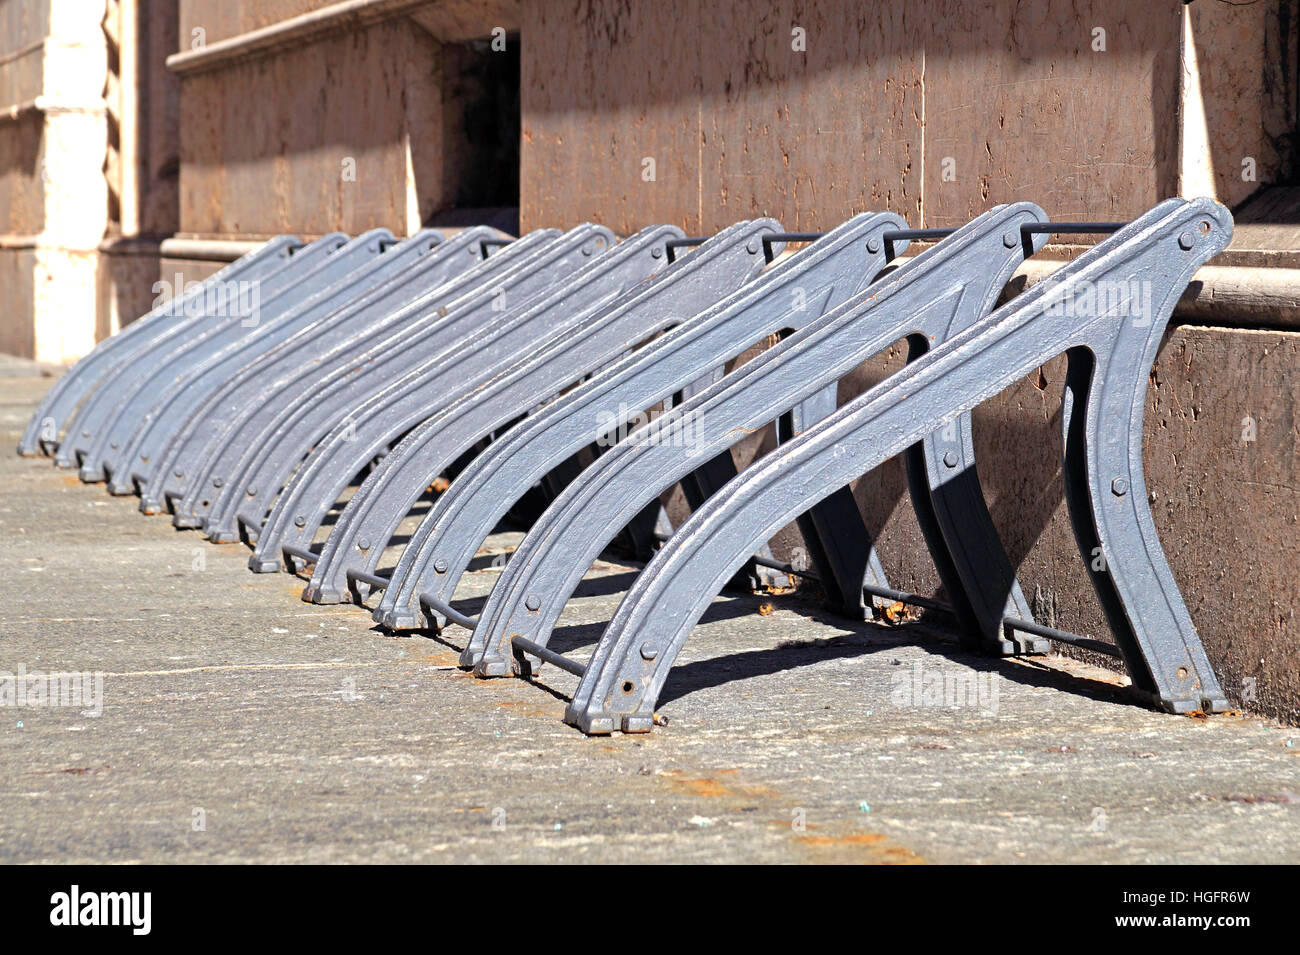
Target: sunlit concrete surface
240,724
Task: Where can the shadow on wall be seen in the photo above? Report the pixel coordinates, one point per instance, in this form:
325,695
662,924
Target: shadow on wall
382,126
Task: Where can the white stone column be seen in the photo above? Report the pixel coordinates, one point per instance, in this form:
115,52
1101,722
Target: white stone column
54,204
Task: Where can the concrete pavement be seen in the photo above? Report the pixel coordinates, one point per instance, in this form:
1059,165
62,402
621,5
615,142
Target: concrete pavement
239,724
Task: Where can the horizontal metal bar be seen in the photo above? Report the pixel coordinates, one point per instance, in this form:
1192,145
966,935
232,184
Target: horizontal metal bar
1028,229
548,655
1231,296
793,236
446,610
1073,228
211,250
916,600
904,597
302,553
786,237
1028,626
1063,636
784,568
492,243
918,235
374,580
778,566
690,241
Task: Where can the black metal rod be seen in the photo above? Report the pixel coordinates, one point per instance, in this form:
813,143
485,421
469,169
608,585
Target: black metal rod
793,236
1062,636
1028,626
787,237
672,245
913,235
455,616
550,656
787,569
916,600
904,597
484,245
301,553
377,583
918,235
1075,228
780,566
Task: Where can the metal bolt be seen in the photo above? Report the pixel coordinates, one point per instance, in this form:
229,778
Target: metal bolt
656,253
85,434
440,566
587,249
649,651
1010,240
363,544
532,602
218,482
178,473
873,244
113,445
300,521
252,491
950,459
1185,241
753,246
1119,487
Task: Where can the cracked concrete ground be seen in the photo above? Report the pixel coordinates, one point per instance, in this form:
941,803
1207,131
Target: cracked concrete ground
241,725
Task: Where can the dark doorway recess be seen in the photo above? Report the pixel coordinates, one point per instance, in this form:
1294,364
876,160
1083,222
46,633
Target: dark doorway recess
481,133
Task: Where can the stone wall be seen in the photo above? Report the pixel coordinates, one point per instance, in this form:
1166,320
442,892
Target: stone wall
934,109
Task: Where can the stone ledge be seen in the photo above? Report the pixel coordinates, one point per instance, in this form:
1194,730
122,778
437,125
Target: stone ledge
295,31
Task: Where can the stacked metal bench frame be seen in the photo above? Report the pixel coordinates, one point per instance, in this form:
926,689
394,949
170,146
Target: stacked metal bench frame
492,360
